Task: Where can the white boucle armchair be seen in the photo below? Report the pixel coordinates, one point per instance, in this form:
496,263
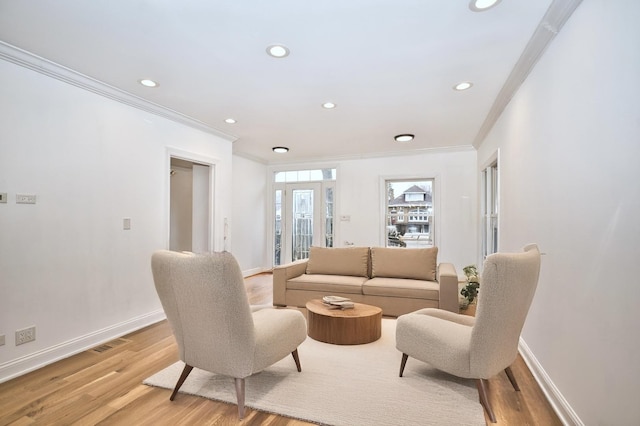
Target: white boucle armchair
480,347
204,298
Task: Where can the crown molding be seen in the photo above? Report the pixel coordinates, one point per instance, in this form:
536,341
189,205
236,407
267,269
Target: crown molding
51,69
558,13
371,155
250,157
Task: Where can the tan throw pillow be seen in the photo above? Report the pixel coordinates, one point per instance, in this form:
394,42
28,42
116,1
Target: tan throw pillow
417,264
339,261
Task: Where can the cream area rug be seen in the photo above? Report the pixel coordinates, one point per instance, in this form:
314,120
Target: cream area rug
345,385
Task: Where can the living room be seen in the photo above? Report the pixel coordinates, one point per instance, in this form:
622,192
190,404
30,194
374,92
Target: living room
566,144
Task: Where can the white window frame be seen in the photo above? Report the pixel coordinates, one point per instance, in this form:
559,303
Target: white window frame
490,207
434,229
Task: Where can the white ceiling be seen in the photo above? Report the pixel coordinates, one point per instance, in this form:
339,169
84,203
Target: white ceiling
389,65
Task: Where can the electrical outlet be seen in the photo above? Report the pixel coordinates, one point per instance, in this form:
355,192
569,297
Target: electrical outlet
1,339
3,197
25,335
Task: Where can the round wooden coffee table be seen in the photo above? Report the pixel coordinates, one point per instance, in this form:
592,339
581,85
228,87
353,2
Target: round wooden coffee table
356,326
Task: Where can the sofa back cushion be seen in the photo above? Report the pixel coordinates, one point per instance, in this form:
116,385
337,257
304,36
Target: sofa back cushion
417,264
339,261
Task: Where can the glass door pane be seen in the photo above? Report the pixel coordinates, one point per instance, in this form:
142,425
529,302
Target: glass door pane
302,225
277,227
302,231
328,217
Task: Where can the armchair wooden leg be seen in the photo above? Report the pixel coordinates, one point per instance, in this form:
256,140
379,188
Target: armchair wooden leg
482,391
240,397
403,363
512,378
296,359
185,372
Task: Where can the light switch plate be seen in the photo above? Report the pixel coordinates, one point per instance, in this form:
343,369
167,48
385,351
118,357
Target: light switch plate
3,197
25,199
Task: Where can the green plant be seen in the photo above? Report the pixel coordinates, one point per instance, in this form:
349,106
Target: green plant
470,290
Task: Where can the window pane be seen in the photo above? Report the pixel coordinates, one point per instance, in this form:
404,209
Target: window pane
328,237
277,227
315,174
305,175
302,223
409,211
490,207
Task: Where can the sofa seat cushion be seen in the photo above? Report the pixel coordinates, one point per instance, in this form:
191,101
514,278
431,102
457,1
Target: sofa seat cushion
412,263
327,283
339,261
402,287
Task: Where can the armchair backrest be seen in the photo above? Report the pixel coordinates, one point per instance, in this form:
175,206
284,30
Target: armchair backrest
204,298
508,283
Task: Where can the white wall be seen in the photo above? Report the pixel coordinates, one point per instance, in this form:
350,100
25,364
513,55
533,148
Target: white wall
66,264
360,193
248,222
569,144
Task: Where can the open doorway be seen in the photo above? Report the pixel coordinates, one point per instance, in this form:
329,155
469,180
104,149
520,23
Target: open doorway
190,206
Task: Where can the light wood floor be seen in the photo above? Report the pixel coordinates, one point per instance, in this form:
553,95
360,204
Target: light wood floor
105,388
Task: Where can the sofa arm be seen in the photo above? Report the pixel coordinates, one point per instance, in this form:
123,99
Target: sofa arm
283,273
448,280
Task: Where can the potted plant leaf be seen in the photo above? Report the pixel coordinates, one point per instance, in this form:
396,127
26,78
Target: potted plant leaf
470,290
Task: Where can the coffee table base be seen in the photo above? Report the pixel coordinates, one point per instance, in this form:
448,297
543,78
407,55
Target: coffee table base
362,324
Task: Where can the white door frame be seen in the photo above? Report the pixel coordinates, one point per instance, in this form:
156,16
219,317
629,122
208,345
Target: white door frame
205,183
287,225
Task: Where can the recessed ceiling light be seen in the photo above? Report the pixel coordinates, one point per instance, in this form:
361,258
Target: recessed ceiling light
230,121
463,86
404,138
278,50
328,105
148,83
280,149
482,5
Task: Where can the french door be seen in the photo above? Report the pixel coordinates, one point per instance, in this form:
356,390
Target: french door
299,222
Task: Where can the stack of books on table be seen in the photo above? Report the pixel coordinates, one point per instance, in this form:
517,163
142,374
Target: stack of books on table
337,302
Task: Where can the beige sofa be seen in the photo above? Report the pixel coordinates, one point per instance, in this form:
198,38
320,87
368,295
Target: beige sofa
398,280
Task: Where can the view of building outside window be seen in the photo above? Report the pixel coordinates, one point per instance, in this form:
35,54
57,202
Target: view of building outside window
409,213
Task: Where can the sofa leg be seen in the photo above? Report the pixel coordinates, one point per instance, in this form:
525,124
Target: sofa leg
403,363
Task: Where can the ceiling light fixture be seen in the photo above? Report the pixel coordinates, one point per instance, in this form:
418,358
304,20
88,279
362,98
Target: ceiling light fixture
404,138
328,105
230,121
278,50
280,149
148,83
482,5
463,86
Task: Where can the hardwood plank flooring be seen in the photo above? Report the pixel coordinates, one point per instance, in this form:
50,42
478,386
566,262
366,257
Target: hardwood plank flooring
105,388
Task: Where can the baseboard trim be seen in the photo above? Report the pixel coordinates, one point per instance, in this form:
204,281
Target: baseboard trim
23,365
558,402
254,271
